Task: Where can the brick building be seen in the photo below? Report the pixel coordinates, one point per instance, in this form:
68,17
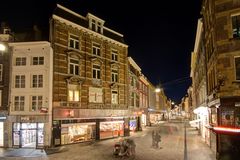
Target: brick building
221,23
89,80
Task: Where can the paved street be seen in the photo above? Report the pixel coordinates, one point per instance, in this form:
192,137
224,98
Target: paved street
171,147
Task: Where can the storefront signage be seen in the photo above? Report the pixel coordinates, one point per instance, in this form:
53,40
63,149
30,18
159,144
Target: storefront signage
237,104
27,119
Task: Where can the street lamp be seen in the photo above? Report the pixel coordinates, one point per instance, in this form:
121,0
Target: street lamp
2,47
158,90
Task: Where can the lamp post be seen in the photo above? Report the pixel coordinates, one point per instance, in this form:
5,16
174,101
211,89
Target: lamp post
2,47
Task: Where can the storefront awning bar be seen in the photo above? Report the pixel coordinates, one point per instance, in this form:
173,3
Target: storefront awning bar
89,118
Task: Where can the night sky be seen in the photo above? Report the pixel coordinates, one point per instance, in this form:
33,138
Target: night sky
160,34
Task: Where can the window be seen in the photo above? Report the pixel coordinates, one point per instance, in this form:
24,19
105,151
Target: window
95,95
37,81
38,61
21,61
37,102
96,26
73,93
237,68
1,72
74,66
114,75
19,103
236,26
20,81
114,56
73,42
96,49
93,25
96,71
114,97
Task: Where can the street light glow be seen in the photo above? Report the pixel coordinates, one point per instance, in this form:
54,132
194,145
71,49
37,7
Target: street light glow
157,90
2,47
173,103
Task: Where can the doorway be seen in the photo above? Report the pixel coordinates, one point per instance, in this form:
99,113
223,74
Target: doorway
29,138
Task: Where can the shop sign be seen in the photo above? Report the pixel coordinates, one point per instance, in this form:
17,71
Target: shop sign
27,119
237,104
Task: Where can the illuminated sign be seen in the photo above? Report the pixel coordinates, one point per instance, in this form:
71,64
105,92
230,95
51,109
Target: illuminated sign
226,130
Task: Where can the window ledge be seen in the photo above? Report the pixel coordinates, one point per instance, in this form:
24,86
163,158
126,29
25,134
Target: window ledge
236,81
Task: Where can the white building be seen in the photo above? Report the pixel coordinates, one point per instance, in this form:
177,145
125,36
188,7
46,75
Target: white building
30,113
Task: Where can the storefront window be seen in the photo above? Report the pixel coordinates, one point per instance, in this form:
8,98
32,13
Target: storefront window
31,134
213,115
77,132
1,134
111,129
16,134
227,116
237,117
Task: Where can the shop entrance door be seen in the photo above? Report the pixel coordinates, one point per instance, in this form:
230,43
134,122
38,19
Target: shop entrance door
28,138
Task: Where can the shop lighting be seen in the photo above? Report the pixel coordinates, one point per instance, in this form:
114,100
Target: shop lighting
226,129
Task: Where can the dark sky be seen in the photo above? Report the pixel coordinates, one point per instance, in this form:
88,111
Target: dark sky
160,34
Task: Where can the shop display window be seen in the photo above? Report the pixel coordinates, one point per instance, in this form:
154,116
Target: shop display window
227,116
213,115
111,129
1,134
237,117
73,133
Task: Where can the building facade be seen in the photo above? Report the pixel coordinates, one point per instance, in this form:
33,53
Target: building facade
221,23
30,112
5,37
134,83
90,79
199,84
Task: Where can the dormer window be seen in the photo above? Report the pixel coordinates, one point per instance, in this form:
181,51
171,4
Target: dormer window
96,26
95,23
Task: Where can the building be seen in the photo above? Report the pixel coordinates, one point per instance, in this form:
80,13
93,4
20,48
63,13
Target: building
5,37
221,23
90,69
134,94
199,84
143,98
30,112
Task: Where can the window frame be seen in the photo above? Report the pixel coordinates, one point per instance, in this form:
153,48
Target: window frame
74,65
22,61
38,60
38,101
114,56
237,35
39,81
114,97
114,75
19,102
235,69
75,40
75,92
20,82
96,49
1,72
96,70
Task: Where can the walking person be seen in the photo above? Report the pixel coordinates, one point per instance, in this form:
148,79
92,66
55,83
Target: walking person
153,139
157,138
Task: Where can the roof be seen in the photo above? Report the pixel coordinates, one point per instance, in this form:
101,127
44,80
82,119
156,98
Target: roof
84,22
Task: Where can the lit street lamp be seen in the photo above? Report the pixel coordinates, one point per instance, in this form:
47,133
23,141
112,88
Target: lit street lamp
2,47
157,90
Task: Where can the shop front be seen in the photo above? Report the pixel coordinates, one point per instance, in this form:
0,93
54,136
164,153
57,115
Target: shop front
77,132
111,129
28,135
225,124
1,134
133,124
